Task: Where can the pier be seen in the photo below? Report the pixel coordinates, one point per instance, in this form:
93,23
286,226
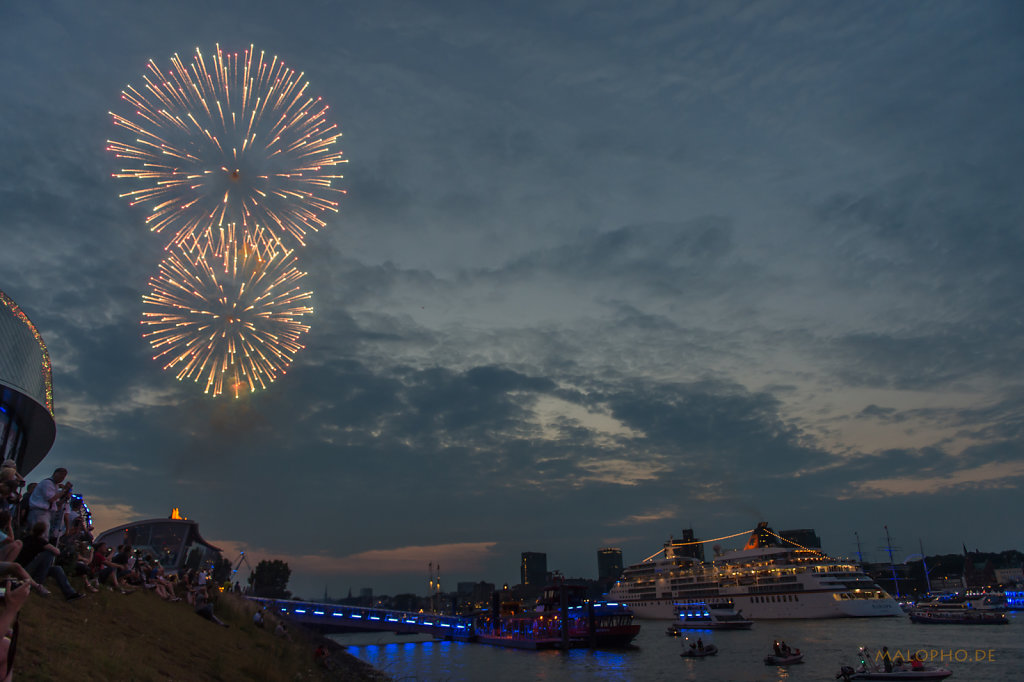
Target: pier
338,618
600,625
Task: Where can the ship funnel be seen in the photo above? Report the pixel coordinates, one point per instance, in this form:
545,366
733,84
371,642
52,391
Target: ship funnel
761,537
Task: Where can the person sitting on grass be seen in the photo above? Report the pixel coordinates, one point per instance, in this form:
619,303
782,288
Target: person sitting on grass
188,584
163,587
204,605
9,472
83,557
9,497
105,569
38,555
125,557
76,533
9,547
193,586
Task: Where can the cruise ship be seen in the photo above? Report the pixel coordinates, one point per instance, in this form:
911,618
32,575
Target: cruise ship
769,578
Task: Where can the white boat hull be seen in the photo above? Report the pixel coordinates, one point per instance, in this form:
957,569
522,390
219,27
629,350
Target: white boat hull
806,606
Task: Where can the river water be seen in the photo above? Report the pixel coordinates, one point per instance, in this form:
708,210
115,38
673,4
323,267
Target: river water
975,653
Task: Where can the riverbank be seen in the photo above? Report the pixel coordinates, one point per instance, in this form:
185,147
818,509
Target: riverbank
110,636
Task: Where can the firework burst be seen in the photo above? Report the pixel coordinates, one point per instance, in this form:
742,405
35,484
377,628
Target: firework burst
225,310
234,141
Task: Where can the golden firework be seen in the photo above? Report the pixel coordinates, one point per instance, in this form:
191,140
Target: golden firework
226,309
236,141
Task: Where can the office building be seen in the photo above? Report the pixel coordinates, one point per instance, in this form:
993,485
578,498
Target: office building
609,564
533,570
803,537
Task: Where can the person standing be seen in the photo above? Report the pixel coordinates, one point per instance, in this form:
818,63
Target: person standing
43,502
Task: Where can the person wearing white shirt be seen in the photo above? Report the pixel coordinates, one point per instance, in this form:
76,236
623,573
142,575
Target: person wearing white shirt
43,502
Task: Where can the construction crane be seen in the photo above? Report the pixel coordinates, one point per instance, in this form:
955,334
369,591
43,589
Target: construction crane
238,564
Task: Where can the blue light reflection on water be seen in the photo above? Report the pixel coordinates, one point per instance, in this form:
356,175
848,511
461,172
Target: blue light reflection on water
826,644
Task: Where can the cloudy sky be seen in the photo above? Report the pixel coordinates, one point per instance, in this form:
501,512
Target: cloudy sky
604,270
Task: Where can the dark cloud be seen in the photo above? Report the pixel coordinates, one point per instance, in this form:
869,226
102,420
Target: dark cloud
594,266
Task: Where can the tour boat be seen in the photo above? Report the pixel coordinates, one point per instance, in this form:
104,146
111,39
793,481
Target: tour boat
707,616
563,617
959,609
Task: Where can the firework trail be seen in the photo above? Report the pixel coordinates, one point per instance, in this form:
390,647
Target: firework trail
225,309
234,141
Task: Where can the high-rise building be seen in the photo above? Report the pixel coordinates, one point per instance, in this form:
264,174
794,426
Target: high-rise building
805,537
533,570
689,545
27,427
609,564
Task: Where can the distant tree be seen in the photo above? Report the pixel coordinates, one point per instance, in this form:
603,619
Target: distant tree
222,571
405,602
270,579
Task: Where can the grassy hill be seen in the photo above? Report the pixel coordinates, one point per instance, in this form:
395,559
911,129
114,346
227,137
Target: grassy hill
110,636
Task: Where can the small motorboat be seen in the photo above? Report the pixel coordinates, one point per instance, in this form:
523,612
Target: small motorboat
783,655
694,652
869,669
784,659
848,673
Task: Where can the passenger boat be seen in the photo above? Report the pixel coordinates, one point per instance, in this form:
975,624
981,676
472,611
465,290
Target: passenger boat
770,577
961,609
956,614
605,624
707,616
563,617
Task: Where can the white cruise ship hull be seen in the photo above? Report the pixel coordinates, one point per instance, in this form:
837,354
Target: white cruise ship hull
810,606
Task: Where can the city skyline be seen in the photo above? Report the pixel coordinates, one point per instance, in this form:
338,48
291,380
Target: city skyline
602,273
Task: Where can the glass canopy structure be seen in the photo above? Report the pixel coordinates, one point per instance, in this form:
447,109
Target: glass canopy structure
27,426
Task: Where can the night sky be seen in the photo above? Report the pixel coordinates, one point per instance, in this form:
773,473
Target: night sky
604,271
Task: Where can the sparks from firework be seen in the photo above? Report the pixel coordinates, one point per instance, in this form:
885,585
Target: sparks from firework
239,142
226,311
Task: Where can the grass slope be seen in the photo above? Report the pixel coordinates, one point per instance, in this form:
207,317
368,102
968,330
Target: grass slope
110,636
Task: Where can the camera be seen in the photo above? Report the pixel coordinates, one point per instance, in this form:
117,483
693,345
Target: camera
10,585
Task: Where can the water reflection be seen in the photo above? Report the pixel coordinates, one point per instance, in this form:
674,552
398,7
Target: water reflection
826,645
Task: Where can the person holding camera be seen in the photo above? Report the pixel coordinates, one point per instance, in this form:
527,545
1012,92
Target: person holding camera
46,498
14,596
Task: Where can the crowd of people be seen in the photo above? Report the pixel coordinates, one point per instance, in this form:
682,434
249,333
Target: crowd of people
46,534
